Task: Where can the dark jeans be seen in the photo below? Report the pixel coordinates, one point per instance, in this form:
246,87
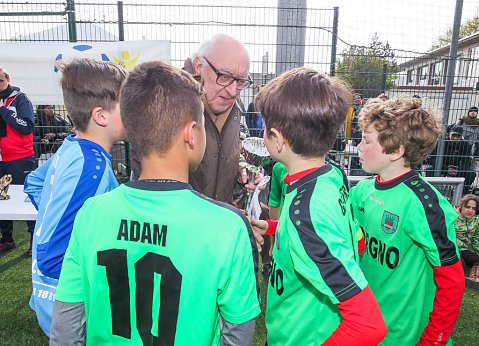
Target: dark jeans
19,169
469,258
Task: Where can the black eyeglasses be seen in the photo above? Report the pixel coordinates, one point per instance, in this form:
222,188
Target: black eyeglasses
225,79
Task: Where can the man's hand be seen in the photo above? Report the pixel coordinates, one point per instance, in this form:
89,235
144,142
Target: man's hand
259,229
1,103
243,178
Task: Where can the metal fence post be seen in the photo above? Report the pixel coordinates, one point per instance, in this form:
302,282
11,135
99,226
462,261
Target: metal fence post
334,42
291,35
451,66
121,28
384,77
72,29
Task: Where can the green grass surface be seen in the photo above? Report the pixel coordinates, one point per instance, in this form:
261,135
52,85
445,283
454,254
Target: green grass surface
18,323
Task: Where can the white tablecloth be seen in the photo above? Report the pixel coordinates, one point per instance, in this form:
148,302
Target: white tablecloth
16,208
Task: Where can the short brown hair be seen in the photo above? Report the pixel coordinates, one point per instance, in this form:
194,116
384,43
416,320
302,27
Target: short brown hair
156,101
465,199
402,121
86,84
307,107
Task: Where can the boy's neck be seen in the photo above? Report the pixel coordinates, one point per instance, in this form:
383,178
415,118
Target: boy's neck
104,141
170,165
394,170
295,163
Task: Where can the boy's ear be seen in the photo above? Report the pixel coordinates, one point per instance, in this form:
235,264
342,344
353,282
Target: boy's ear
190,133
397,154
277,138
99,117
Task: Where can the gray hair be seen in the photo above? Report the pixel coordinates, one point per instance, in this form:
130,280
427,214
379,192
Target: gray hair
205,46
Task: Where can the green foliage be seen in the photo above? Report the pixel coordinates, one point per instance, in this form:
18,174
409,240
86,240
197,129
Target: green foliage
470,27
363,67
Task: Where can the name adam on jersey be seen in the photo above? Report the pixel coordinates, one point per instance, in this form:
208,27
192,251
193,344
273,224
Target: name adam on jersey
151,234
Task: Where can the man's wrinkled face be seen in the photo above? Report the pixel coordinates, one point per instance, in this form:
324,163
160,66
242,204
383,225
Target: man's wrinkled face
227,60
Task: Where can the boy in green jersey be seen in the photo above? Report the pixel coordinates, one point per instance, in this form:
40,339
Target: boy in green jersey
316,294
411,260
146,272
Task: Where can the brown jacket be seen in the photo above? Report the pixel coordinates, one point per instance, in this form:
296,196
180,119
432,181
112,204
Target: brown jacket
217,173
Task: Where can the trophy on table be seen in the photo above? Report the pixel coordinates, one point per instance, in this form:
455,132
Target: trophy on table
4,185
257,156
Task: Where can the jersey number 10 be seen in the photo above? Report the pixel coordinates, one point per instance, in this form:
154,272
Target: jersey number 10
115,261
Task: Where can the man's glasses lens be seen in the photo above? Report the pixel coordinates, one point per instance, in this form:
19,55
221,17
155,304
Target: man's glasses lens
224,79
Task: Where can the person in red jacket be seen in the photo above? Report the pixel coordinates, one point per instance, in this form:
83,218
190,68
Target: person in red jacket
16,145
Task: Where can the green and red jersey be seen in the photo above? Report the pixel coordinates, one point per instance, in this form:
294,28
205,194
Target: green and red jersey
154,261
409,231
315,261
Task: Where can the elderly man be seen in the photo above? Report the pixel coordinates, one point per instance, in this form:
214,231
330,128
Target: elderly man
221,64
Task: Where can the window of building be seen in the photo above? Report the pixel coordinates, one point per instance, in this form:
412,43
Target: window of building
435,73
422,75
473,64
409,76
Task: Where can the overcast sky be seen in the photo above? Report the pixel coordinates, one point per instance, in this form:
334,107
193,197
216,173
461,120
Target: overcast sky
405,24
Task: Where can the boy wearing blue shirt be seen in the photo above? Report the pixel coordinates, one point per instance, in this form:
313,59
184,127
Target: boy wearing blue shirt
81,168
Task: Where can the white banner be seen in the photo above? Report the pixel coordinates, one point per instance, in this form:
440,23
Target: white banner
31,65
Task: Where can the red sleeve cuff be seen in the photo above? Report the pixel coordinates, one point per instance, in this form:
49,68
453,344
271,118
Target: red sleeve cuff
272,224
447,303
362,323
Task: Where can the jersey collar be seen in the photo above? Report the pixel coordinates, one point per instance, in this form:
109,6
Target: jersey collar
296,180
158,185
87,143
385,185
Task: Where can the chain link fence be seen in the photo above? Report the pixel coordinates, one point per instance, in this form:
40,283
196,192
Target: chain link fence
279,36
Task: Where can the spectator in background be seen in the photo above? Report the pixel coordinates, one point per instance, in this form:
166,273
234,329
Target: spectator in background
254,119
352,117
16,146
470,126
50,130
467,232
457,161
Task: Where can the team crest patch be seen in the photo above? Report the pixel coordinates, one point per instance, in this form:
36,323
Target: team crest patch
390,222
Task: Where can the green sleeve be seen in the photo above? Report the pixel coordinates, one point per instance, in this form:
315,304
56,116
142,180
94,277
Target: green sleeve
276,189
70,288
237,294
352,196
325,254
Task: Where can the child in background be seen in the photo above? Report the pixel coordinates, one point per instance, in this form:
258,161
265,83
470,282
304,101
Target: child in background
316,294
411,260
81,168
467,232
